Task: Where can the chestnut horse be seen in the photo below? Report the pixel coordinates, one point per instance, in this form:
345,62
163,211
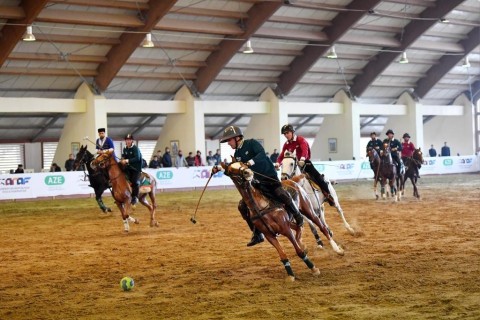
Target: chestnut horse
388,171
98,178
413,164
270,217
122,191
291,170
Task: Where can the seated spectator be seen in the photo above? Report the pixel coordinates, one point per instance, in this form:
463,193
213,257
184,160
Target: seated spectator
190,159
55,168
69,163
154,164
198,159
20,169
218,157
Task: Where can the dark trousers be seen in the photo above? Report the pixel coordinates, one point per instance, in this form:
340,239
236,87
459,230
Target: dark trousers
316,177
134,177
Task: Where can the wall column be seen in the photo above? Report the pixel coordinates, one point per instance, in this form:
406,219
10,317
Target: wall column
267,126
79,125
188,128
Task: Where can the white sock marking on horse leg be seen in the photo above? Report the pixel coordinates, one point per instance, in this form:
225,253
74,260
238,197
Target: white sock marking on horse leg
125,225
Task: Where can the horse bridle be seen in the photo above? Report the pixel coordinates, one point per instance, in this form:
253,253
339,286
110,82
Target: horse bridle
295,165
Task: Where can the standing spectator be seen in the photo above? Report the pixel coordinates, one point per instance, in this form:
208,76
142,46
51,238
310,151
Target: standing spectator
218,157
180,160
154,164
167,158
210,159
432,152
445,150
159,158
19,169
190,159
69,163
198,159
103,142
55,168
274,156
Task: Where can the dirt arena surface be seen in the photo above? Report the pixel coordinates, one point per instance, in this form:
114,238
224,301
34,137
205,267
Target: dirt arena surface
417,259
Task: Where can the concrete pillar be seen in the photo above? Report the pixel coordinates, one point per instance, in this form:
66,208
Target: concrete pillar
187,129
339,135
410,122
458,129
267,126
79,125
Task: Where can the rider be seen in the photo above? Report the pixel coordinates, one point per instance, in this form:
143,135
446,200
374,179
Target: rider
408,148
132,159
302,150
374,143
251,152
395,147
103,142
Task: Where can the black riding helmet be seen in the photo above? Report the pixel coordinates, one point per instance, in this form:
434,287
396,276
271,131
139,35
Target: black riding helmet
287,128
231,132
406,135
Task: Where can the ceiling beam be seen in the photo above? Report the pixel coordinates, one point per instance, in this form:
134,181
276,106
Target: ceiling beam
413,30
47,126
129,42
230,123
14,29
304,122
363,125
311,53
447,63
216,61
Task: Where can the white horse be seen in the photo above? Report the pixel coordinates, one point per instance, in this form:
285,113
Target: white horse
291,170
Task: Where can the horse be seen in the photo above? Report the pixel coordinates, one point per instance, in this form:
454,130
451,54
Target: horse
98,178
122,191
291,170
375,160
412,165
388,171
271,218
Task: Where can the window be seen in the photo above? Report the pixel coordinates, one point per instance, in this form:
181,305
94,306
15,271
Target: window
48,153
11,155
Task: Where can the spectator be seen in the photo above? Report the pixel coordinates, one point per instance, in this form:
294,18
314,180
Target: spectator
445,150
218,157
167,158
198,159
154,164
55,168
69,163
19,169
432,152
159,158
274,155
180,161
210,159
190,159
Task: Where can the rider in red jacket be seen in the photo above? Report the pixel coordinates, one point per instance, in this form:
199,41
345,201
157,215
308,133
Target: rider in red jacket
299,145
408,148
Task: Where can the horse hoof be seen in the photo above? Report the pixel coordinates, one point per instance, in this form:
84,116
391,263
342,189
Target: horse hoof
376,196
137,221
315,271
290,279
154,224
109,210
351,231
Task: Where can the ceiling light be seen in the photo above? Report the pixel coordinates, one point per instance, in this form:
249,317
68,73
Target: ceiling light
444,20
403,59
248,47
332,54
29,34
147,42
466,63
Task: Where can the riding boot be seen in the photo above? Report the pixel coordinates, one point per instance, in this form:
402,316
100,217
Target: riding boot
257,236
290,205
320,181
402,167
135,190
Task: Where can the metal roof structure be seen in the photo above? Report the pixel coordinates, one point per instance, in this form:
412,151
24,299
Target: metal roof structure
200,44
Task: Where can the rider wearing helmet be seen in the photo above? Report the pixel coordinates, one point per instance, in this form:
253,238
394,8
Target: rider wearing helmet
251,152
374,143
132,159
299,145
408,148
395,147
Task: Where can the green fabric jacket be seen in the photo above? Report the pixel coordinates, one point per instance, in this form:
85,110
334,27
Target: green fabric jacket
134,157
251,149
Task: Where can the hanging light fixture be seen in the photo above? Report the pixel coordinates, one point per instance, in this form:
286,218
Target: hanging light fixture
248,47
332,54
29,34
404,58
147,42
466,62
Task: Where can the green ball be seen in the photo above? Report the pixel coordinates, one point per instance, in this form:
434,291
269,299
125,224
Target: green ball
127,283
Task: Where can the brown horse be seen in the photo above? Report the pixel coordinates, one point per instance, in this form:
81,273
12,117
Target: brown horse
270,217
413,164
375,161
122,191
388,171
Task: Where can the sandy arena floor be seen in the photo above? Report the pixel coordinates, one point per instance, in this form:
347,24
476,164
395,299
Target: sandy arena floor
417,259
